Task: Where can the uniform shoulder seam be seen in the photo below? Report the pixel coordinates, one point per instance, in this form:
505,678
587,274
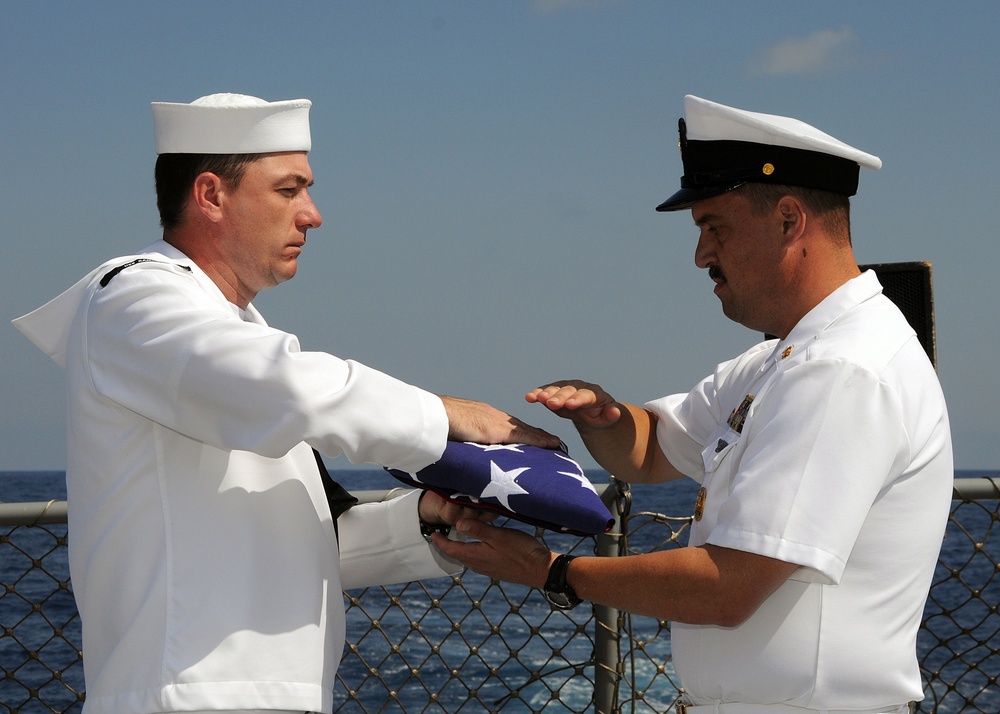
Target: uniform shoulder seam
109,276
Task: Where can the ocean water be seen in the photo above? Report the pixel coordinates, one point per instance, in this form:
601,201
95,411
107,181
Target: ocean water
959,620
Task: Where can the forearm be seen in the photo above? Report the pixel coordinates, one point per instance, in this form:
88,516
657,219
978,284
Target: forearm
696,585
620,436
628,449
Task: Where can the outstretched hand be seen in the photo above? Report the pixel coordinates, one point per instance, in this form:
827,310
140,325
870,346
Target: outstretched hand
585,403
502,553
479,422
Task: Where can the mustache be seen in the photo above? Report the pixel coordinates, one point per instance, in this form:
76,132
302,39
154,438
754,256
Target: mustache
715,273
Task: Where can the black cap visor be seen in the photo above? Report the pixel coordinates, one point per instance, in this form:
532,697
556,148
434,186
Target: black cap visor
711,168
686,197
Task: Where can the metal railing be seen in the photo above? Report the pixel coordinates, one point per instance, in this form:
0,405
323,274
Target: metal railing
469,644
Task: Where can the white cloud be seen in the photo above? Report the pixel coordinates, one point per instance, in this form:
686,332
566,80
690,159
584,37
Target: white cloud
818,53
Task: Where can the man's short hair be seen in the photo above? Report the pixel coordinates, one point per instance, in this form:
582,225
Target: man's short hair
175,174
833,209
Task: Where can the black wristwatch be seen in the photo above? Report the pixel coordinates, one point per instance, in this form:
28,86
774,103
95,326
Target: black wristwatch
557,590
429,529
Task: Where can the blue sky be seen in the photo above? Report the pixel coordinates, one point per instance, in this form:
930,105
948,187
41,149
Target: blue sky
488,173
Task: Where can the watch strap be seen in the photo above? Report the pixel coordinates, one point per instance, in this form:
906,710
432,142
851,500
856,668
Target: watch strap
557,591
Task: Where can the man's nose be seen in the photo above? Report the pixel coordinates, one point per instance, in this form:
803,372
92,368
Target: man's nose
702,252
311,216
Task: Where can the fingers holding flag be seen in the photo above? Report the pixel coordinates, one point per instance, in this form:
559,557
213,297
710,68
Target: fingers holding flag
470,420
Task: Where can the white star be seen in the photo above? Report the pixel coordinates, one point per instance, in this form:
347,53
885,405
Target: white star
502,484
578,474
581,478
497,447
566,458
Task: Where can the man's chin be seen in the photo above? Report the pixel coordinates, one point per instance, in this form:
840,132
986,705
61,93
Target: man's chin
285,273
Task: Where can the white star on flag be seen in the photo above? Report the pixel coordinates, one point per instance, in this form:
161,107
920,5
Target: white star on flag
578,475
497,447
568,460
502,484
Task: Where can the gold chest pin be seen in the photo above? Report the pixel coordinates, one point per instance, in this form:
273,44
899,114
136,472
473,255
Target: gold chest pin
699,503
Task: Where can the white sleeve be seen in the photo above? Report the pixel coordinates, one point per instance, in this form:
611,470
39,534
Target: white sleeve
381,544
158,344
821,446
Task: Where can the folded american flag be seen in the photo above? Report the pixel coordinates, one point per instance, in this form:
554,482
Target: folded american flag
543,487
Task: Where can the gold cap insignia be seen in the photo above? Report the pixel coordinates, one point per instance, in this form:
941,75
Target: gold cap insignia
767,169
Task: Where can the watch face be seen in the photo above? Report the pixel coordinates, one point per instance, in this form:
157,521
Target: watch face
563,601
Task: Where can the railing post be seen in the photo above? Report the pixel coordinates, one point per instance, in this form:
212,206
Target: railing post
607,637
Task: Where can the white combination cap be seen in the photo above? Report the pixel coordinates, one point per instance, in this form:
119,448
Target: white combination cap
724,147
231,124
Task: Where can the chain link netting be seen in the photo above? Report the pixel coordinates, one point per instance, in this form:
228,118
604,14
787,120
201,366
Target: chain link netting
40,661
469,644
959,641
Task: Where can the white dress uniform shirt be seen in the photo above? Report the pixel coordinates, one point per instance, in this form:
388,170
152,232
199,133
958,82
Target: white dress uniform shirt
203,554
839,462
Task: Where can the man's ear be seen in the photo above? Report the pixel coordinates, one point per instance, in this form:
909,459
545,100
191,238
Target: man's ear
207,194
793,217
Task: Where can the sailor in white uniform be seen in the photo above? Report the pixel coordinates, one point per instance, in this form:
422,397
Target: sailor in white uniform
203,548
824,455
